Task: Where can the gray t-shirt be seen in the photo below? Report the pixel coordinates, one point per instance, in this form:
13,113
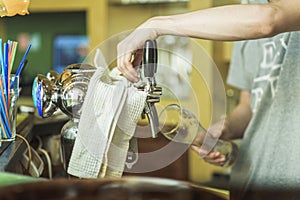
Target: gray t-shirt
268,162
246,56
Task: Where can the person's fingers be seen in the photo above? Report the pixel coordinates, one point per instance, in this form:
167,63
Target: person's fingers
131,75
126,68
217,162
213,155
131,46
215,158
200,151
138,57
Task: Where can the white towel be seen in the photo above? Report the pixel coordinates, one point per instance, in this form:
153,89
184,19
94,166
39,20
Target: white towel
124,132
108,121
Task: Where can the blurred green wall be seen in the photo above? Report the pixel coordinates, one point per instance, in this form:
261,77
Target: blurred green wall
42,29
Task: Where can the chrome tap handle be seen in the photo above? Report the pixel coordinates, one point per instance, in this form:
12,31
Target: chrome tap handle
149,65
152,116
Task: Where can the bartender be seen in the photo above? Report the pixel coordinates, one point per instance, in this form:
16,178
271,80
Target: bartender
268,159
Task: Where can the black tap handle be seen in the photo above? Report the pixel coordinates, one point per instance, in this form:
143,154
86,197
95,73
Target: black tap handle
150,58
155,56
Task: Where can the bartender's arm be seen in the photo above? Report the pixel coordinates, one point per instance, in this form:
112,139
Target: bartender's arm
234,128
231,23
238,120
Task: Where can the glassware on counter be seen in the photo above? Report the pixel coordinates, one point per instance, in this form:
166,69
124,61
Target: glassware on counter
10,108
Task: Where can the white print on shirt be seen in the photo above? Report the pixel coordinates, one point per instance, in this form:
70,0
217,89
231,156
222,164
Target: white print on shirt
270,56
269,70
257,94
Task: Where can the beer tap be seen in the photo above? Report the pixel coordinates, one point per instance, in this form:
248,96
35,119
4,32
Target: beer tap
149,65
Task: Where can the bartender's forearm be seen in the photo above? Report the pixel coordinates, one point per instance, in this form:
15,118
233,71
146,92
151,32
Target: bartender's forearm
239,118
233,22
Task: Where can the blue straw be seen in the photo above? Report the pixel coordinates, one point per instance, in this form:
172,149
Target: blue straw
20,68
5,72
1,61
22,64
4,120
3,110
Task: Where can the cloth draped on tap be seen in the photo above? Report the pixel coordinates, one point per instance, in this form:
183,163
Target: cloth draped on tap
108,121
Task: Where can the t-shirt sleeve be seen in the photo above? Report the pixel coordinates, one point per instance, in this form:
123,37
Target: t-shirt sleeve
237,76
245,63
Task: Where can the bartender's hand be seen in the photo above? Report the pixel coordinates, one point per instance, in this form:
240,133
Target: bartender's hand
130,51
214,158
215,131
